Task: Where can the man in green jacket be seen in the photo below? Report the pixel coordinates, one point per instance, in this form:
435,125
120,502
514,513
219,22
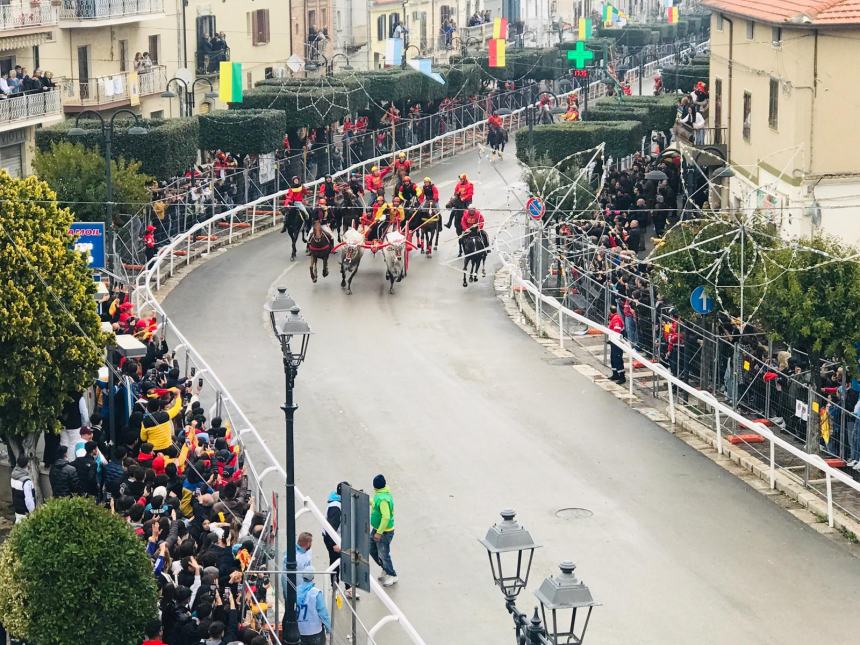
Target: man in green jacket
382,530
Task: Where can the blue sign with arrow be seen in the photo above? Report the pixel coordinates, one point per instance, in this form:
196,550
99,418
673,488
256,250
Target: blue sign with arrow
700,301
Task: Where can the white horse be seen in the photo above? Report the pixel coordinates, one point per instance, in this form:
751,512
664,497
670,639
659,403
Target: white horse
394,253
353,242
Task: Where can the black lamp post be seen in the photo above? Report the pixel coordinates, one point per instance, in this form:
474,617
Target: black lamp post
107,134
188,92
406,49
510,548
346,68
170,94
293,334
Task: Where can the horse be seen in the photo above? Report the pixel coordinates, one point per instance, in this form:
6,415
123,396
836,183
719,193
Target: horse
350,258
497,138
320,243
348,212
475,248
457,207
426,226
293,224
394,253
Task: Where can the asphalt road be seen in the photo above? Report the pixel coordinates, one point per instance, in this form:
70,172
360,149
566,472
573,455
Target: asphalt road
466,415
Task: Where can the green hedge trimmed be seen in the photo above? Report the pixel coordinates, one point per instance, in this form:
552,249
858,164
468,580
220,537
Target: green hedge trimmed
243,131
168,149
536,64
684,77
668,33
630,36
560,140
659,114
302,107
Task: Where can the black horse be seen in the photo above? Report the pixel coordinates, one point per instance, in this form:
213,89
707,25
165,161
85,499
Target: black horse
475,247
426,225
497,138
348,211
457,207
293,223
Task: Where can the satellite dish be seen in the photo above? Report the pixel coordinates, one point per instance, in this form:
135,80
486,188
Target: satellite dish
184,74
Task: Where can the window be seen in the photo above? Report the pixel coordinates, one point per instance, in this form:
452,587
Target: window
773,104
747,115
268,72
123,55
158,114
719,22
249,80
446,12
154,47
393,21
312,18
380,28
259,25
750,30
324,21
36,58
776,36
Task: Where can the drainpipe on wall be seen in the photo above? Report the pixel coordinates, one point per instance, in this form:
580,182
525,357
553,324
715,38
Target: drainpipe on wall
730,101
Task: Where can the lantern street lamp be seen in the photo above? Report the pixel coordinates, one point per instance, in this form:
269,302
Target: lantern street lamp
293,334
510,548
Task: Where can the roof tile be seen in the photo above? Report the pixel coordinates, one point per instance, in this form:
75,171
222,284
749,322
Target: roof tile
819,12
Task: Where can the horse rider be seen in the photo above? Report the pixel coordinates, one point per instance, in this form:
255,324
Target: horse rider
355,184
371,220
401,163
473,221
494,121
328,189
428,193
373,182
295,198
408,193
464,191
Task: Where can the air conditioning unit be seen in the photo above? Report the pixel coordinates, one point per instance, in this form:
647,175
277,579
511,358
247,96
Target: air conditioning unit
279,72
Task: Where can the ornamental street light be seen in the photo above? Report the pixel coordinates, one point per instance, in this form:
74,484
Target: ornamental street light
293,334
188,93
107,134
346,68
510,548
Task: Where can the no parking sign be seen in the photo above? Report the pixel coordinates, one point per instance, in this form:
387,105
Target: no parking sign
535,208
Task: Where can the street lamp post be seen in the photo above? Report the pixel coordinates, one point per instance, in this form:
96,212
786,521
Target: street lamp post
211,94
107,135
170,94
188,92
288,326
346,68
510,548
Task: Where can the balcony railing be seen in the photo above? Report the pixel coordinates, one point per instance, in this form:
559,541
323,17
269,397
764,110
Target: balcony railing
92,10
38,105
114,89
23,15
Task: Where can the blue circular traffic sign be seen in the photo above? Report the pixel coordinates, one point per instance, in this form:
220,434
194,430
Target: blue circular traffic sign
535,208
700,301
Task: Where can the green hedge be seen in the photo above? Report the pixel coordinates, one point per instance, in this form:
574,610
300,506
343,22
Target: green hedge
303,108
560,140
536,64
683,28
684,77
168,149
659,111
630,36
668,33
243,131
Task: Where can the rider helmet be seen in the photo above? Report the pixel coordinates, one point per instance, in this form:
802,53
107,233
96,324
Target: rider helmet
463,177
407,179
374,169
402,155
380,198
472,209
296,180
427,180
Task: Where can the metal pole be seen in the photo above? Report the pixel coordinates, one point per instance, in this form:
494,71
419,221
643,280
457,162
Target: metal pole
107,130
111,402
290,625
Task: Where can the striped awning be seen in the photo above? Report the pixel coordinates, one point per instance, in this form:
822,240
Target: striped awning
8,43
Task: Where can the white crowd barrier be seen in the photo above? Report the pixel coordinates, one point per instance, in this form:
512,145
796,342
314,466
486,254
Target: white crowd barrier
199,241
721,411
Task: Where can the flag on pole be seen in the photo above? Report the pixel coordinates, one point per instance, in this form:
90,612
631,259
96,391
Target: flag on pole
610,13
672,15
394,51
500,28
497,52
585,28
230,82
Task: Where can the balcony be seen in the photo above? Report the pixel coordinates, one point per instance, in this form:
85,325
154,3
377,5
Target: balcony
21,17
31,109
208,62
113,90
99,13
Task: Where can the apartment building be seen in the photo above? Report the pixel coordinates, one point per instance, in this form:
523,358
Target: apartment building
90,47
781,87
330,32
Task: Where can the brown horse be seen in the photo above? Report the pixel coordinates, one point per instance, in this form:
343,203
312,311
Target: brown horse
320,244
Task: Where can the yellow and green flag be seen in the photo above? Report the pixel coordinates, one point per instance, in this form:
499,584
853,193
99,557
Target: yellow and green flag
230,82
585,28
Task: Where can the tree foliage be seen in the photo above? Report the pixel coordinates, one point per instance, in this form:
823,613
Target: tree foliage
78,176
76,573
50,336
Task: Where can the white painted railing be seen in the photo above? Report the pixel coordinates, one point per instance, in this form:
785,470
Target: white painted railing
201,239
28,106
106,9
721,411
21,15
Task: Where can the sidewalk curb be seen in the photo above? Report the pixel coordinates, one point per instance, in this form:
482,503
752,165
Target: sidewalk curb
802,503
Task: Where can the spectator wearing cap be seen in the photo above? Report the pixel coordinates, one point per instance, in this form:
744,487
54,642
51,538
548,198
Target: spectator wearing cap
382,529
63,476
313,617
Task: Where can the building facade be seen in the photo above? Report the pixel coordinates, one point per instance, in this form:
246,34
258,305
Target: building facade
90,48
780,90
